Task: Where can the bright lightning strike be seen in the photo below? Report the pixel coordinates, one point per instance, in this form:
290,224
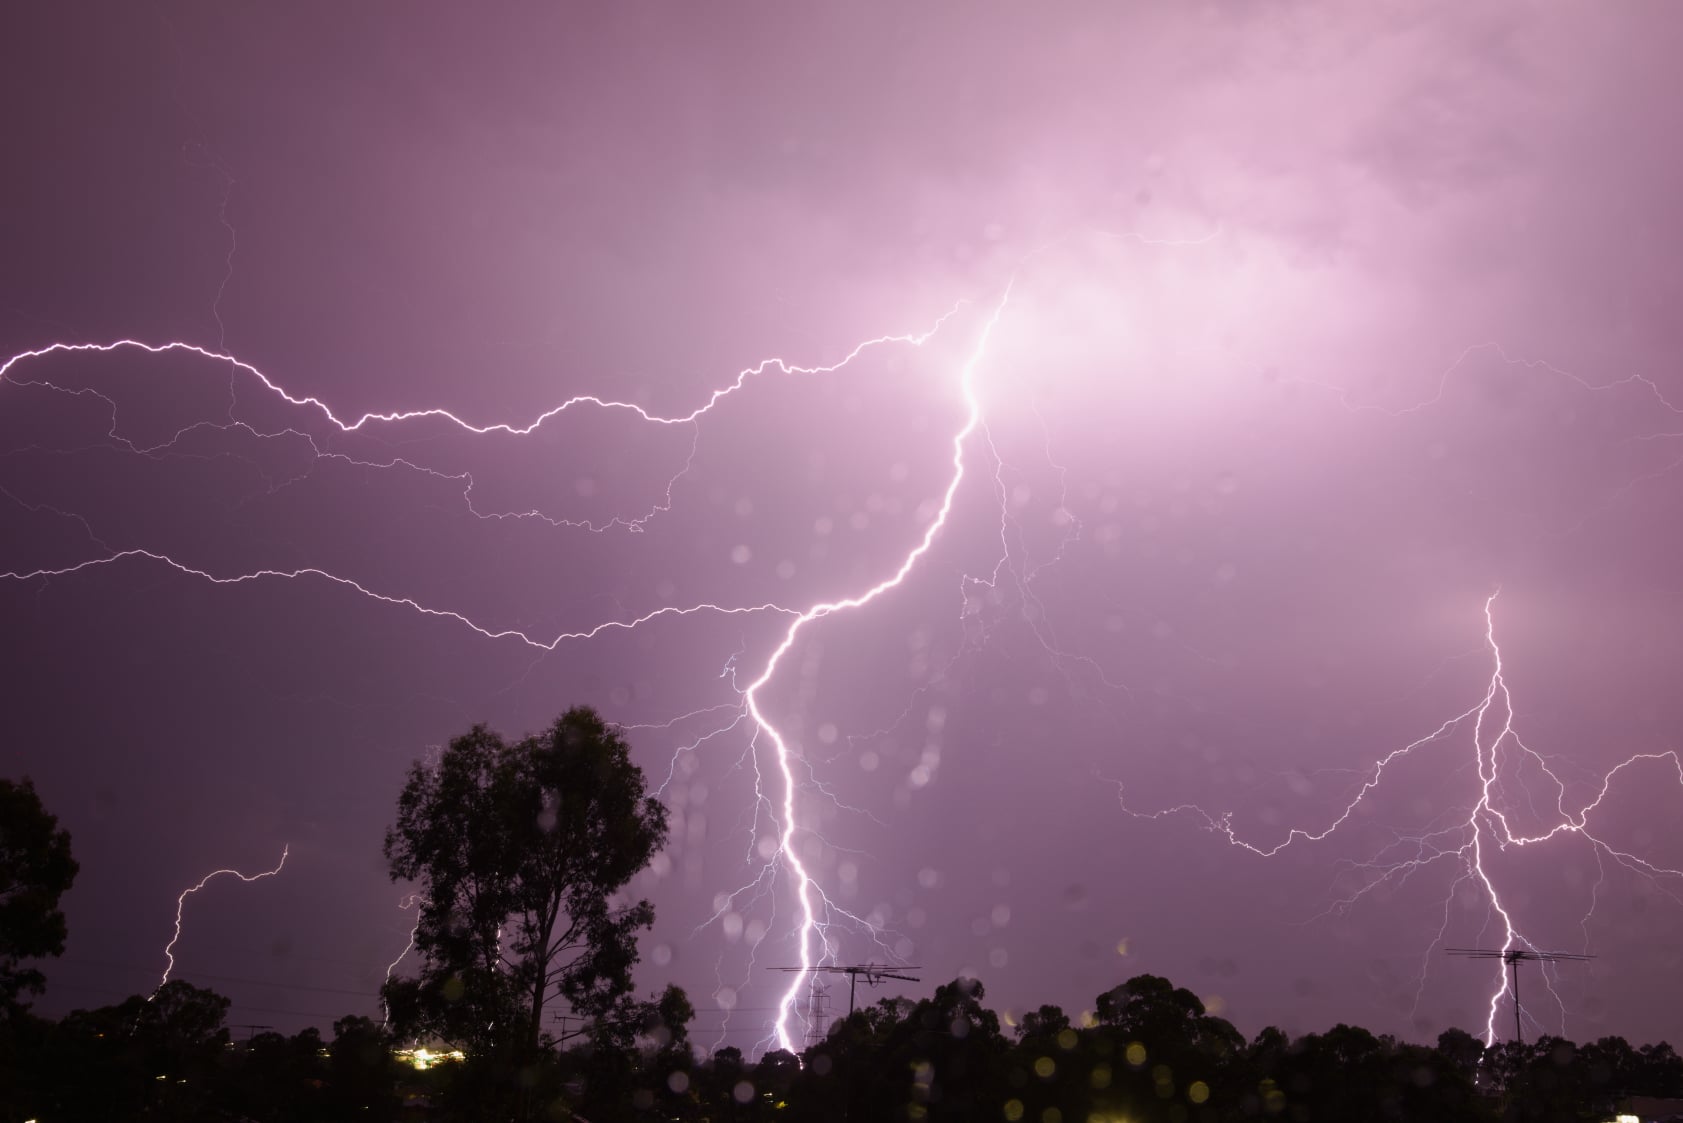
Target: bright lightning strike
8,374
181,904
790,823
1498,751
1465,844
810,935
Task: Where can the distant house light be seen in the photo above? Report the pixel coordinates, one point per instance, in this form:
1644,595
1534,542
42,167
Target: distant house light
424,1058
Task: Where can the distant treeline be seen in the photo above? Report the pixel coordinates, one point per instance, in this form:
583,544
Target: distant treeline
1149,1052
520,850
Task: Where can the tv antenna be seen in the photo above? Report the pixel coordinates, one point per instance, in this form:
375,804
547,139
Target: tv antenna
1513,957
874,974
818,1009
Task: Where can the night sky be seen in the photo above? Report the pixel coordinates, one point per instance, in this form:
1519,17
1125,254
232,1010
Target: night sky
1313,328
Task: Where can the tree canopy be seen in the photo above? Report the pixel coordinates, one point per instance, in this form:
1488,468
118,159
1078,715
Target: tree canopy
169,1057
35,870
519,850
522,852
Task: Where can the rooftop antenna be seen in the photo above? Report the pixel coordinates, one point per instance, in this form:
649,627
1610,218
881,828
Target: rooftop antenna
818,1009
1513,957
874,974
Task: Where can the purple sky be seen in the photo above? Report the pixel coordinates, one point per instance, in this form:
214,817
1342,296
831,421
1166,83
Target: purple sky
1325,323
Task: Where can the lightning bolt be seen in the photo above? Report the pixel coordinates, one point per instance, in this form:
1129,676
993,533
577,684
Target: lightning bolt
748,705
781,771
401,601
408,902
760,369
1498,750
181,904
811,936
319,408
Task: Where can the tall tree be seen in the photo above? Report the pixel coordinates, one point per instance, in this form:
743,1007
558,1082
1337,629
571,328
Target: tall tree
519,850
35,870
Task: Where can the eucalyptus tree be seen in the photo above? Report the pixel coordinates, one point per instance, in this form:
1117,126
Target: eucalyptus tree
519,851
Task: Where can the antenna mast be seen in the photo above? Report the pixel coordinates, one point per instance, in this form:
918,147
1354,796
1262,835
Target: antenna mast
1513,957
874,974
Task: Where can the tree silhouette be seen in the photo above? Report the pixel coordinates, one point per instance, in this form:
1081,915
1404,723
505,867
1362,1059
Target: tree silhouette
1462,1050
148,1057
938,1059
167,1057
1045,1023
35,870
518,849
276,1079
361,1072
